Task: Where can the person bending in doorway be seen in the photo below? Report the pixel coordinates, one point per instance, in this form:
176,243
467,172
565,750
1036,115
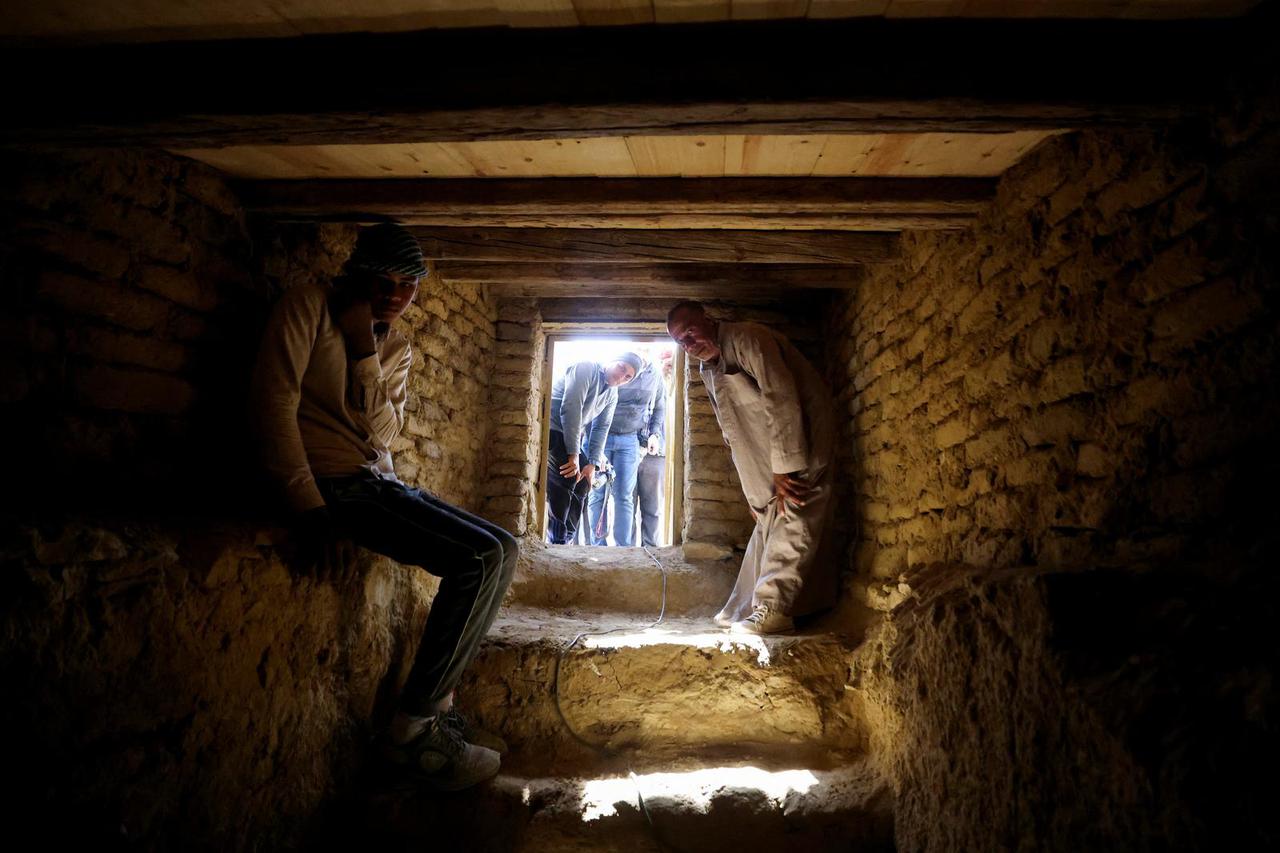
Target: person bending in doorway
582,405
638,423
329,391
776,415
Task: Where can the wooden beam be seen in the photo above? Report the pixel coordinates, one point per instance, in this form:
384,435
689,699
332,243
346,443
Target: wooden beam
865,204
668,278
729,221
738,291
859,76
605,246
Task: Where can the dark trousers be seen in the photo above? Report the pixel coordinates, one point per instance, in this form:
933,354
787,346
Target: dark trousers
473,558
565,498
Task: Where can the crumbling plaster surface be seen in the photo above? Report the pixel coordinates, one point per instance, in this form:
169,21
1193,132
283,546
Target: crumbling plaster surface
1100,710
182,686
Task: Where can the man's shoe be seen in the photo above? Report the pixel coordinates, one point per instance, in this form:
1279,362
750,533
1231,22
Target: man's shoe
441,760
764,621
722,619
472,733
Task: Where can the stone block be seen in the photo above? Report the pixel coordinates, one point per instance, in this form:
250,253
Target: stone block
110,302
706,551
951,433
102,386
109,345
106,258
508,331
1062,379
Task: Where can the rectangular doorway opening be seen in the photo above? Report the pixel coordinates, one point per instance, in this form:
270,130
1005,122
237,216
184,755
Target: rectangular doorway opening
601,514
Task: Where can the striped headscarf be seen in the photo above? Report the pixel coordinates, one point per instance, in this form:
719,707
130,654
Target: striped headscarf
387,248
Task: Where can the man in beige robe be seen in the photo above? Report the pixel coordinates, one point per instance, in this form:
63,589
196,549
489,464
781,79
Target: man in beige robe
776,415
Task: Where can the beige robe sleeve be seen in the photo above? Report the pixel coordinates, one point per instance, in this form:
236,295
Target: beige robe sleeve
277,388
760,356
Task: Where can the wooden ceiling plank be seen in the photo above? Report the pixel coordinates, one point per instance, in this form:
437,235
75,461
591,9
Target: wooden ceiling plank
847,8
846,155
683,156
646,246
812,276
621,197
595,13
736,291
538,13
757,10
718,221
690,11
317,17
595,156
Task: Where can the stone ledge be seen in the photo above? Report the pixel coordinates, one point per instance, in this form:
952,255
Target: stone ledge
684,684
624,580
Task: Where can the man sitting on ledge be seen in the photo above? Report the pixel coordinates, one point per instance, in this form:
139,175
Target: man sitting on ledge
775,412
329,394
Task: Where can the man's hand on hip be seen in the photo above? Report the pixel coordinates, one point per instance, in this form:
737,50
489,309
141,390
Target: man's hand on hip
587,472
570,469
790,488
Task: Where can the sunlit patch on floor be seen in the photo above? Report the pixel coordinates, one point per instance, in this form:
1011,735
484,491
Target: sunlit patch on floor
726,643
695,789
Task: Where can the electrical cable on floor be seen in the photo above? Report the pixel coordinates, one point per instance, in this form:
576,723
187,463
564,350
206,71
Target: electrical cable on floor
600,748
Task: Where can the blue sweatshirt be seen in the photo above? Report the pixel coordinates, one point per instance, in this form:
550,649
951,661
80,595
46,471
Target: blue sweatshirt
582,401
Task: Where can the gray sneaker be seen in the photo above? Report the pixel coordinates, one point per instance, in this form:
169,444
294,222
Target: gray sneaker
472,733
764,621
441,760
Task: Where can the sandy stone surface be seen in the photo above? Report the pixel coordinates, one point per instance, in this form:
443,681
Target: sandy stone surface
619,579
683,684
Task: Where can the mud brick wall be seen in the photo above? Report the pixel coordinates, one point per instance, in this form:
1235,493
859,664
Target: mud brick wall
515,418
1063,429
445,445
1086,378
178,680
127,301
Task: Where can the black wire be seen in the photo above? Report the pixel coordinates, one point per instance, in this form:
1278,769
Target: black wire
600,748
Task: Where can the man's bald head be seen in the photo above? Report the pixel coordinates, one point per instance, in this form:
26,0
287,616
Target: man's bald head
695,332
689,307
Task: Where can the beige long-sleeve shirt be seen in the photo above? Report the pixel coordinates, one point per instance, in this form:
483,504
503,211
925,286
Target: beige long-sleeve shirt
773,407
318,413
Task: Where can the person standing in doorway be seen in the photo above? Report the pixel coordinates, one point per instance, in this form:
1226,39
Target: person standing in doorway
776,415
583,400
653,467
636,433
329,391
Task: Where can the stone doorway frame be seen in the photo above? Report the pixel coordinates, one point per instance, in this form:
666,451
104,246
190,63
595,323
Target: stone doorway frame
555,332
